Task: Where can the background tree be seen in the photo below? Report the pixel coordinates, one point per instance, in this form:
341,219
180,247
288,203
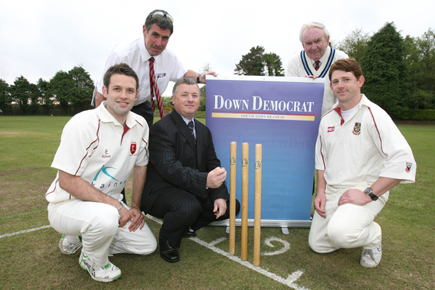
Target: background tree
35,99
22,93
251,63
167,104
59,86
258,63
45,95
385,70
420,59
203,88
273,64
5,97
355,44
82,87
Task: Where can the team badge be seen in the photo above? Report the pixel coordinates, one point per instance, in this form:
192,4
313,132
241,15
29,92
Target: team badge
331,129
133,147
357,129
408,167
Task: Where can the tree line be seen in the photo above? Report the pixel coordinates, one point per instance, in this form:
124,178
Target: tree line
399,72
70,91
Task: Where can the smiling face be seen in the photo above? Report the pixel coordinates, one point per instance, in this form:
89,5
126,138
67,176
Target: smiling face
186,100
156,39
120,96
347,88
315,42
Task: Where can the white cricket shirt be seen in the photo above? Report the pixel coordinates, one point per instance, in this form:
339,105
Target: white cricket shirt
96,147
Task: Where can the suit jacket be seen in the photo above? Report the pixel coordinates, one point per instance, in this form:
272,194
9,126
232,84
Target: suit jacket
176,161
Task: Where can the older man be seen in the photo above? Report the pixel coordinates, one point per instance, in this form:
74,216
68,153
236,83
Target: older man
360,156
316,59
185,183
153,63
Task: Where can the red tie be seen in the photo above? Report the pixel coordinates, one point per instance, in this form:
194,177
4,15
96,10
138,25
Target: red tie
155,89
317,62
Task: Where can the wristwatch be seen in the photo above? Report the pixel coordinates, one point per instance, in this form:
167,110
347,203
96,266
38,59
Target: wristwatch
369,192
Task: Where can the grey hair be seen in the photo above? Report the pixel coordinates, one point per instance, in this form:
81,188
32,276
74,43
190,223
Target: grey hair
312,25
186,81
161,22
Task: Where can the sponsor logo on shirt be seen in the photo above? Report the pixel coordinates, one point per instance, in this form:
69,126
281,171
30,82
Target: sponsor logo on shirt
408,167
161,75
106,154
331,129
114,183
357,128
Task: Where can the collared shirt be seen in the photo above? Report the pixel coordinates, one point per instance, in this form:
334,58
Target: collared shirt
363,148
103,152
321,60
187,123
167,67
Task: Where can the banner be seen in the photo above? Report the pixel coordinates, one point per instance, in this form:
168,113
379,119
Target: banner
283,115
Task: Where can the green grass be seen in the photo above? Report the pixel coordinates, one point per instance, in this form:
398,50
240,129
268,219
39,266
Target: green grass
33,261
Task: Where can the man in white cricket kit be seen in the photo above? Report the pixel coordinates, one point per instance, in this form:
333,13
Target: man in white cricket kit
360,156
98,151
315,60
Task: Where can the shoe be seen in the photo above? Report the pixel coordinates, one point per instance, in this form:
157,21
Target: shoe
168,253
371,258
107,273
66,247
189,233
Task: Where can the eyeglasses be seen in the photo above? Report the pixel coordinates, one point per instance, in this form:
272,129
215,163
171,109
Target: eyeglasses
162,14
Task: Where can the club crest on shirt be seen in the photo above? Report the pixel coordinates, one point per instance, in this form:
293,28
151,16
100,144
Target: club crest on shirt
331,129
408,167
133,148
161,75
357,129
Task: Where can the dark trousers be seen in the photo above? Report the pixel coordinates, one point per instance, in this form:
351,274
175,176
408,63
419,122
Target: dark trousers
180,209
145,110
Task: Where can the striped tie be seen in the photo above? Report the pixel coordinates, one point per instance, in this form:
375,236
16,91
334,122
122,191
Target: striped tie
155,89
190,125
317,64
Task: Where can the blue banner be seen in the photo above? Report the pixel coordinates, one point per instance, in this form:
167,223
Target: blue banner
283,115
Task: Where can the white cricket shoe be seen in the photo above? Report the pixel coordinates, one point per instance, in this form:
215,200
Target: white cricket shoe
107,273
68,248
371,258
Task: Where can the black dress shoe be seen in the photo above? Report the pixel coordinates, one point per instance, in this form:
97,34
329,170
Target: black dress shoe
168,253
189,233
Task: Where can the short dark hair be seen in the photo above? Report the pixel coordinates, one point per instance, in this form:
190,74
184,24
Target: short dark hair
347,65
185,81
162,22
121,69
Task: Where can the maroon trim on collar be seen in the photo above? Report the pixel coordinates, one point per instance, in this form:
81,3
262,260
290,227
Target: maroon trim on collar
339,113
126,128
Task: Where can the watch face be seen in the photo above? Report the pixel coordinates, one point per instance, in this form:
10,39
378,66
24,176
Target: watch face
368,190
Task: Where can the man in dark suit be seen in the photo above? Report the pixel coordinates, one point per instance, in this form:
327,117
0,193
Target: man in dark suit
185,183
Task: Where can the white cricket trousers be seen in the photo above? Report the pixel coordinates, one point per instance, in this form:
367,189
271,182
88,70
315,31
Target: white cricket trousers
97,223
348,225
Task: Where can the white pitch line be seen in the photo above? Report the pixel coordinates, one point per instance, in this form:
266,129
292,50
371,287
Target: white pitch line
23,232
215,242
289,281
280,251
